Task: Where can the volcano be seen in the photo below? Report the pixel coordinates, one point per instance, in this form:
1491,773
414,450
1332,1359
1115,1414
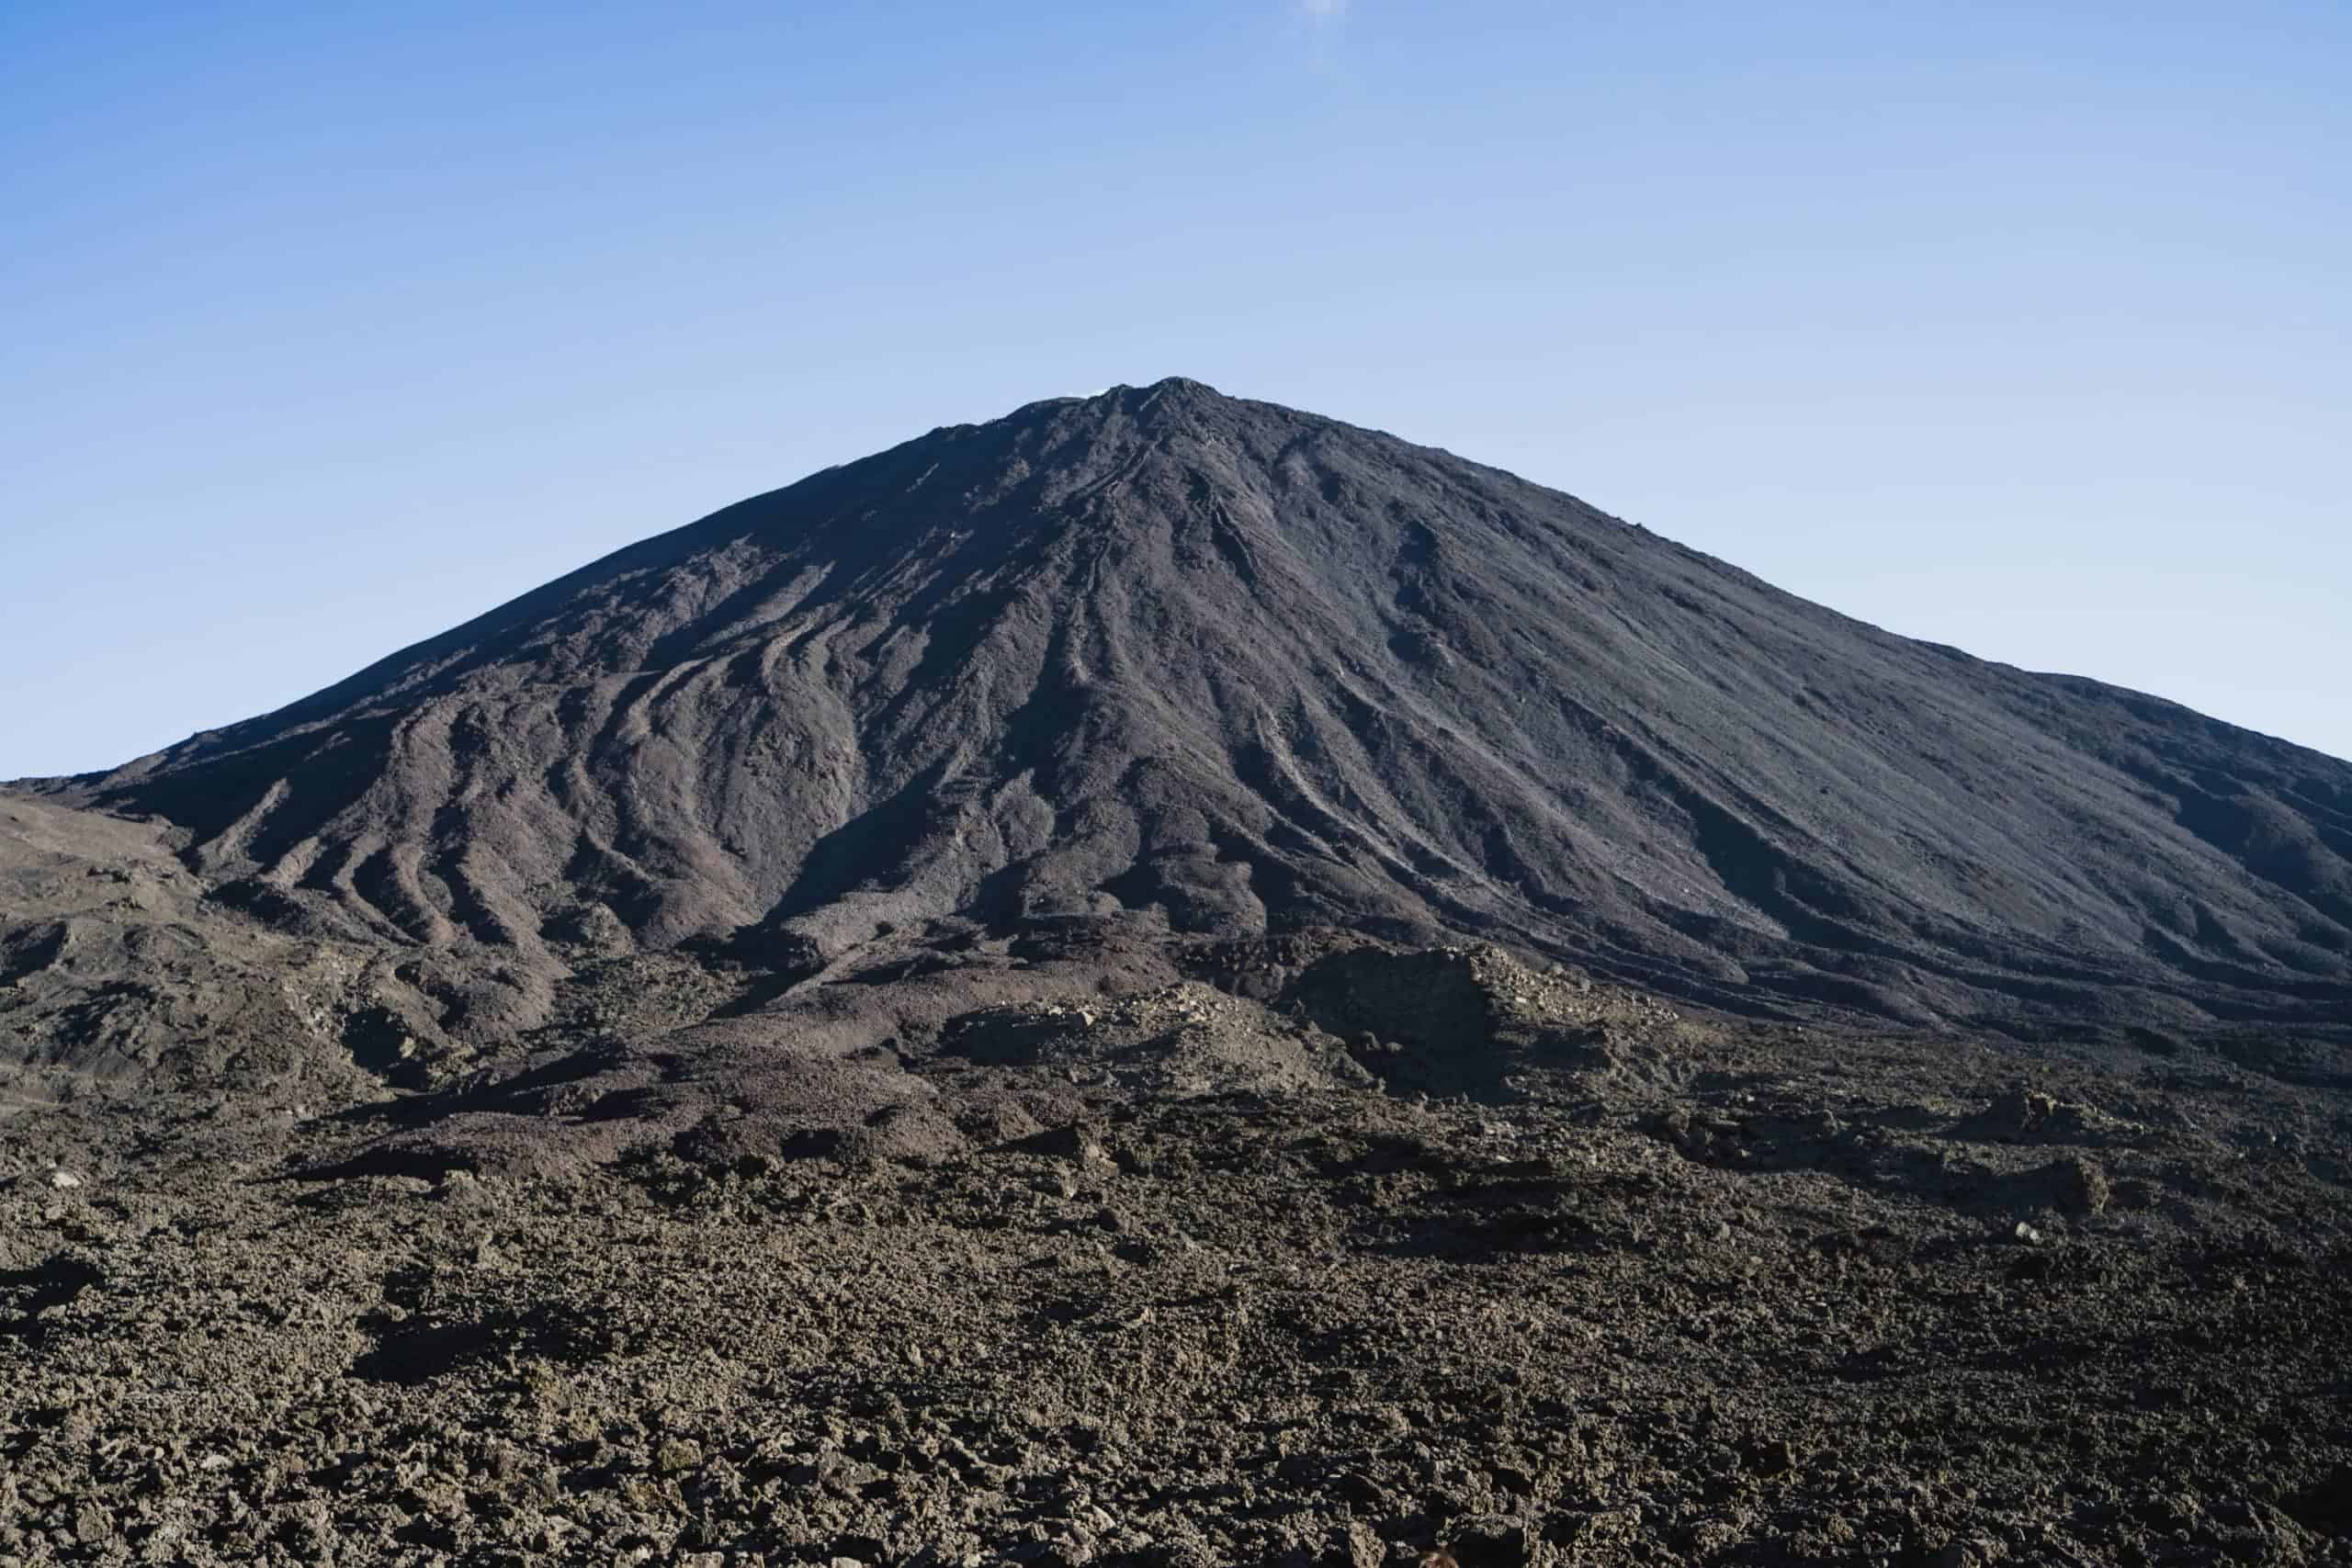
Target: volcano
1172,664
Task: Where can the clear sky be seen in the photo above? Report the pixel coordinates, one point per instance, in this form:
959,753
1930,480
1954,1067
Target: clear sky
2026,327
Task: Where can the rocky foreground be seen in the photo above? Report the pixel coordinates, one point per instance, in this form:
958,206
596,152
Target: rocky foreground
1411,1252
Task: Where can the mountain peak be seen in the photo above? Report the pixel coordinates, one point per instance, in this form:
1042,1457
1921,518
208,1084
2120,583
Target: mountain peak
1171,387
1181,387
1151,406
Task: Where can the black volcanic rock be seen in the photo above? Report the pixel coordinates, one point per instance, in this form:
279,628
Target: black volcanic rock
1167,661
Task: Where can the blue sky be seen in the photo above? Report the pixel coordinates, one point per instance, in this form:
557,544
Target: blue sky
2022,327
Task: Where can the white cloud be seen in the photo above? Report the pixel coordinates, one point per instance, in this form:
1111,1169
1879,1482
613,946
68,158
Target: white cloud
1318,26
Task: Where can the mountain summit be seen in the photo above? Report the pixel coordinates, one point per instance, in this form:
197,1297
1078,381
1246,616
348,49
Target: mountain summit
1162,661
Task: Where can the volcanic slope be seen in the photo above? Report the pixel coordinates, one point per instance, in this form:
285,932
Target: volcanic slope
1167,661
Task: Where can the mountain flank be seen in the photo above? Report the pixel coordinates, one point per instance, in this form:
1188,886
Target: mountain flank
1164,663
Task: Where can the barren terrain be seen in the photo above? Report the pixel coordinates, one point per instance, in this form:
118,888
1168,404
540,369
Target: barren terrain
1166,981
1176,1276
1191,664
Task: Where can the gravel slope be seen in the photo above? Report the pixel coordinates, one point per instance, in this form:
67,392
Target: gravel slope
1186,662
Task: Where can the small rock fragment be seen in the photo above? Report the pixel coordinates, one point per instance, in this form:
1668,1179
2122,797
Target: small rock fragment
92,1523
1490,1540
2083,1188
